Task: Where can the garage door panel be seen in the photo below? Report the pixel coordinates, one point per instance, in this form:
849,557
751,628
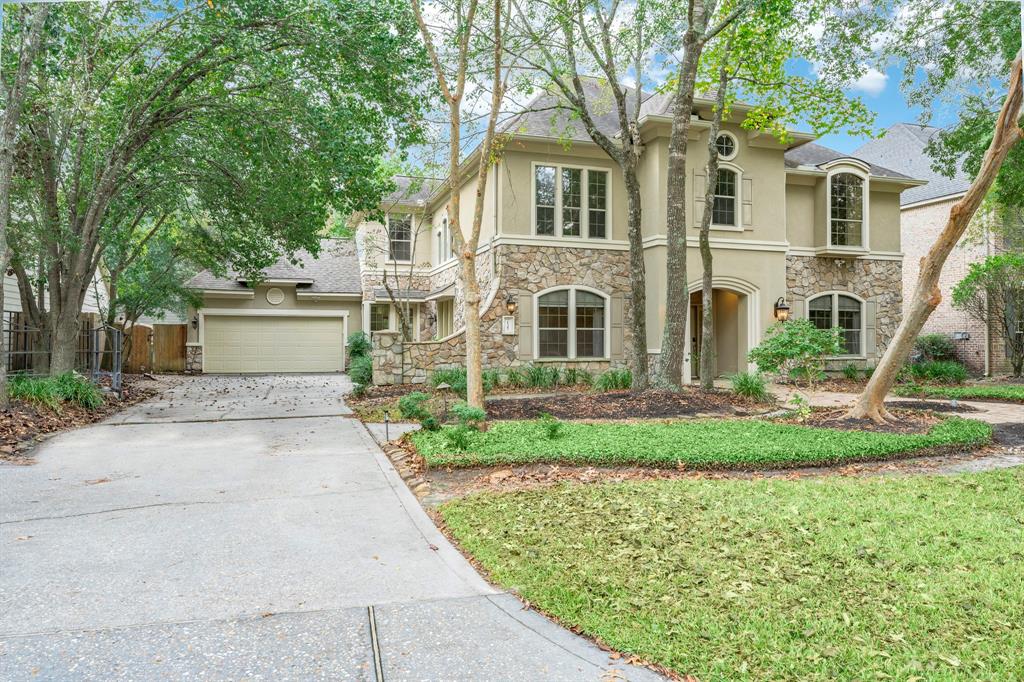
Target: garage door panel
239,343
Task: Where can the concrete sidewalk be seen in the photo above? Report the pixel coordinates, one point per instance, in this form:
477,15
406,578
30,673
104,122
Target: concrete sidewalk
246,528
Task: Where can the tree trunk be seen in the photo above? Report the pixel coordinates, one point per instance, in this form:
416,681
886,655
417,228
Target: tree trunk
637,279
926,296
8,133
64,342
707,333
677,304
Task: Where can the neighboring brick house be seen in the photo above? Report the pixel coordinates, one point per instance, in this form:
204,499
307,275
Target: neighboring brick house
794,221
925,210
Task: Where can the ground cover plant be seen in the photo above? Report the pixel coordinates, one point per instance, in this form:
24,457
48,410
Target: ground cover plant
938,371
1013,393
624,404
908,578
694,443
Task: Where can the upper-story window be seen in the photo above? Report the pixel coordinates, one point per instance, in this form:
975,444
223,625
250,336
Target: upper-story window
400,236
723,212
570,202
445,251
847,209
843,311
726,145
571,323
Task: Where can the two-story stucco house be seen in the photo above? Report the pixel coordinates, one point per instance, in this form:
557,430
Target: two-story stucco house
793,221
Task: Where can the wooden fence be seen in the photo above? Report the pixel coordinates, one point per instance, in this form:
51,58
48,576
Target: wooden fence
160,348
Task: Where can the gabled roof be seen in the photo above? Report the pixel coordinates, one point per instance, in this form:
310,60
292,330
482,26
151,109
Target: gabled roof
903,147
413,191
335,271
547,116
816,155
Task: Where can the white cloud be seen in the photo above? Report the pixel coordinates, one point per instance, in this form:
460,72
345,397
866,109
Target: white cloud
872,82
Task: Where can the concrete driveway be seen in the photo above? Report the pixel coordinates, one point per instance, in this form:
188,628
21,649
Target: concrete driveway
249,528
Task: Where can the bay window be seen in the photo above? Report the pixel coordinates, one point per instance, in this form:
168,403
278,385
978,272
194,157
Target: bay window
572,323
846,210
570,202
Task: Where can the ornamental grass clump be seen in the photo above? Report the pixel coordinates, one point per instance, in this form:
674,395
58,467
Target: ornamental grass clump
751,385
54,392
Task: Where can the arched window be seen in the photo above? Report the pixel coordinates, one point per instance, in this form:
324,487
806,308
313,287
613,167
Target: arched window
723,212
572,323
846,201
843,311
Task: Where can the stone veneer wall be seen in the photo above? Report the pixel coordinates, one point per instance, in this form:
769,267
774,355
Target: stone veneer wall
878,282
524,271
193,358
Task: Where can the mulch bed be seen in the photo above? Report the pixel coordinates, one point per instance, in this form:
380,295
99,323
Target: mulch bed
625,405
910,421
933,405
25,424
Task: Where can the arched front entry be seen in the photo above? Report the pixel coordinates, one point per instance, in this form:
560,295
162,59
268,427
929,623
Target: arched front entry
735,306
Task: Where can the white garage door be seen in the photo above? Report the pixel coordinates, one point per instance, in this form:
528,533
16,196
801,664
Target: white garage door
240,343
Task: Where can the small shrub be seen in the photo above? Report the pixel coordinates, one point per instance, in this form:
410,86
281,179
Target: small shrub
750,385
413,406
551,426
574,376
515,379
614,380
454,377
358,390
469,417
932,347
54,391
801,408
358,345
540,376
798,349
458,437
430,423
851,372
939,371
360,370
491,379
869,372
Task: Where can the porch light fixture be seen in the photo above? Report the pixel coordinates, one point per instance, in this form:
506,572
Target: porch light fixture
781,310
195,322
510,304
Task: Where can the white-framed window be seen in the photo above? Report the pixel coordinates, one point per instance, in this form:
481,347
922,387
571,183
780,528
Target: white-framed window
399,226
444,246
572,323
847,209
843,310
725,210
570,201
445,318
726,145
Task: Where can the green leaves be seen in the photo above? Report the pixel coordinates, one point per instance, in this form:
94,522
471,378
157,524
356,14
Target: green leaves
796,347
699,444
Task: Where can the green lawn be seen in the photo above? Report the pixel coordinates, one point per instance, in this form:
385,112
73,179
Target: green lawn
1013,393
901,578
703,443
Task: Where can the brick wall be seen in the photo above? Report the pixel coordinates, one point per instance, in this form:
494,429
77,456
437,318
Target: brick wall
920,227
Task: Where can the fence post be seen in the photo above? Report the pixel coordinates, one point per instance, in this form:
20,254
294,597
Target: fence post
116,365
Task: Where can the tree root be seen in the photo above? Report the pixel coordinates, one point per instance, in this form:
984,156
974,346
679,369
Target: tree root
876,413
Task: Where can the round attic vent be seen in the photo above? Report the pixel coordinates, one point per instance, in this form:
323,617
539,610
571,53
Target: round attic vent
274,296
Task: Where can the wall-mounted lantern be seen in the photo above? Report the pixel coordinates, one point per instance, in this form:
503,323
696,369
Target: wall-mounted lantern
510,304
781,310
195,322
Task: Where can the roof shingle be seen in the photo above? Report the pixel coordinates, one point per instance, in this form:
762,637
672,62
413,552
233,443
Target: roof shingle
334,271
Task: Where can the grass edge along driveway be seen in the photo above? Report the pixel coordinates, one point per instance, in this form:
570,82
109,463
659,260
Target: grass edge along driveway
909,578
697,443
1008,393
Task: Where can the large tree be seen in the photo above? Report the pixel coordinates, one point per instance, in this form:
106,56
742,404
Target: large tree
961,48
566,40
749,63
29,27
462,40
249,119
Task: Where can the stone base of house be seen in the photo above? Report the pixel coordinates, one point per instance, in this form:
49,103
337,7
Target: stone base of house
193,358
